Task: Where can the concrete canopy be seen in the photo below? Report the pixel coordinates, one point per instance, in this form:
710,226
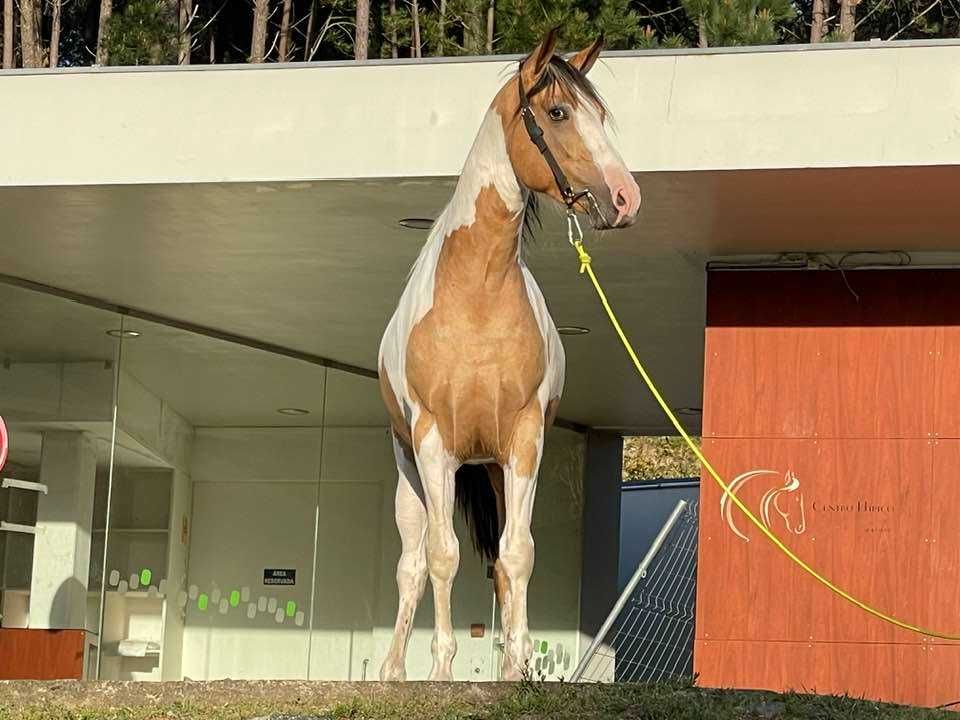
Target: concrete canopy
263,201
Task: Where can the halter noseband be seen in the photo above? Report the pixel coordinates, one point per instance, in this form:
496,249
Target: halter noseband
567,193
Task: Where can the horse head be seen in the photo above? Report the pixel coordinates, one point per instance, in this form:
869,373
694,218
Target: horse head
787,502
554,127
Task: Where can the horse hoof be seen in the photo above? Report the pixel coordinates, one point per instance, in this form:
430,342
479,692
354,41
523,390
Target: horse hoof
510,674
392,673
441,676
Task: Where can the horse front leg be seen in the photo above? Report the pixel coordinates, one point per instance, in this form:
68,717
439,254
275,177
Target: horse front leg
437,471
516,541
411,516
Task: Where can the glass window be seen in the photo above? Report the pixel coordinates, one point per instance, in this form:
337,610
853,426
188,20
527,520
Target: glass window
56,398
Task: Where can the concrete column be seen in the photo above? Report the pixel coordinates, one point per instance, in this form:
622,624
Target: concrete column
602,480
61,549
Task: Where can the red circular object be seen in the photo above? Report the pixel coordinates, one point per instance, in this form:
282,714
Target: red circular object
4,444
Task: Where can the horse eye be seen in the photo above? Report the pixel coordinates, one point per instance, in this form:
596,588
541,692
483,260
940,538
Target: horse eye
557,113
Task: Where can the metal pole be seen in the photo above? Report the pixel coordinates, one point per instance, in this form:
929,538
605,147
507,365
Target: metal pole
638,575
117,361
316,531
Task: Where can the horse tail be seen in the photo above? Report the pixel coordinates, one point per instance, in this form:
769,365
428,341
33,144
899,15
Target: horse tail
478,503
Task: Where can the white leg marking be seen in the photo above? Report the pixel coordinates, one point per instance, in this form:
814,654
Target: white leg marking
516,558
437,469
412,568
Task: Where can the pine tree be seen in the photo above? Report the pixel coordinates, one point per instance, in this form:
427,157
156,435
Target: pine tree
143,33
728,23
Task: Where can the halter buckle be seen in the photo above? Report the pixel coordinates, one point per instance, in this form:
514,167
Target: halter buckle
573,224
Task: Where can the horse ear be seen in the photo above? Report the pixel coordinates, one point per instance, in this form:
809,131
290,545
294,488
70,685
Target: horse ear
534,65
585,59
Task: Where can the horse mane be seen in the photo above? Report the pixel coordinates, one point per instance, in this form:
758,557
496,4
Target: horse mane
531,218
561,75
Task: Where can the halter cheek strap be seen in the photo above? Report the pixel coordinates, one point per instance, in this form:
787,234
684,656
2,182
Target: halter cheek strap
535,133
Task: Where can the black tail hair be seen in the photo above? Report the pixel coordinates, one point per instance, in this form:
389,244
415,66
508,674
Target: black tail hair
478,503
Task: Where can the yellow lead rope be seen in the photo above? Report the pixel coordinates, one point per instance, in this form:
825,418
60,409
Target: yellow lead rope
585,267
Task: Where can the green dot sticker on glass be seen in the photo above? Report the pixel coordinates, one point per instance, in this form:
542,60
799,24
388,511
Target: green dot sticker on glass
203,601
234,598
145,577
291,608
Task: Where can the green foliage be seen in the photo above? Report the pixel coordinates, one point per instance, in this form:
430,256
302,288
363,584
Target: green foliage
522,23
619,23
650,40
144,32
726,23
655,458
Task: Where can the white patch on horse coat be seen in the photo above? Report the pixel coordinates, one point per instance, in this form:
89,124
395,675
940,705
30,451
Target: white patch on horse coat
555,371
437,467
411,517
595,138
516,557
606,158
487,164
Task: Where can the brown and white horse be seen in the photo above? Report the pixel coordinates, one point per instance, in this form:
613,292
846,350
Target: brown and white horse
471,365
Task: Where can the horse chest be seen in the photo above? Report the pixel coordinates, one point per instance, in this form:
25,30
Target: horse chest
475,363
472,358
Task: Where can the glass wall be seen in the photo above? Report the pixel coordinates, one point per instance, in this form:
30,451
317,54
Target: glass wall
229,511
56,397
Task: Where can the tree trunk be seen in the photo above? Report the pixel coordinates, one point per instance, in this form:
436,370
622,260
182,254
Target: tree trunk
441,27
474,31
309,41
186,37
258,40
702,33
30,34
106,10
818,27
490,15
55,32
848,18
285,49
8,41
361,45
394,50
415,36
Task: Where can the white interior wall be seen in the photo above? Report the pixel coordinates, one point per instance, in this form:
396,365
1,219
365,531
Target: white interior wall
255,494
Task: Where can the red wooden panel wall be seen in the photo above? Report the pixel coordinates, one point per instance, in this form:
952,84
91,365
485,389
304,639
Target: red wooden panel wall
41,654
851,396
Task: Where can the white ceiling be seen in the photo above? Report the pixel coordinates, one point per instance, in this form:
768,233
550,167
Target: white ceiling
317,268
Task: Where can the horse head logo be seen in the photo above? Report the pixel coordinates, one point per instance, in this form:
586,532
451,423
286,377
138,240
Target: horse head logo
783,501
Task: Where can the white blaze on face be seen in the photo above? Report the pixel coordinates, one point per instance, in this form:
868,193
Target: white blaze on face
624,191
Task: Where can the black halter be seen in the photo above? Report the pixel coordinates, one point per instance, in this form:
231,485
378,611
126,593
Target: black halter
535,132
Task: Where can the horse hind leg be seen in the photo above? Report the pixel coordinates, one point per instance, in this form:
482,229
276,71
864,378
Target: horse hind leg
500,583
411,516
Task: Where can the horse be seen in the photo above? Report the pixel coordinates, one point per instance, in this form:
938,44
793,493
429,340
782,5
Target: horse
471,366
793,515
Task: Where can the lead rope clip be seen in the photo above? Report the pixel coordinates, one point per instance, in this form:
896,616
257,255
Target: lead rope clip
576,239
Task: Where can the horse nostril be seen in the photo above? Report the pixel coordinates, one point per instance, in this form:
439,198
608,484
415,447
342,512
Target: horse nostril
621,198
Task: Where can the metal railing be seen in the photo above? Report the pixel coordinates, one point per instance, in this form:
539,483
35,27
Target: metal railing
648,635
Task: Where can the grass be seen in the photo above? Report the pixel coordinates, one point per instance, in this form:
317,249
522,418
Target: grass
526,701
